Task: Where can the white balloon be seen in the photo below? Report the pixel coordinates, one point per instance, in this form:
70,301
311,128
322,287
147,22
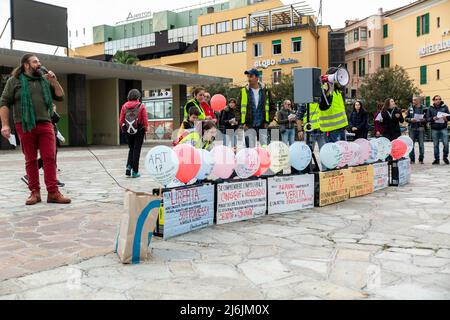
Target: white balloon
384,148
207,164
373,152
300,156
330,155
346,153
162,164
409,143
279,156
366,149
356,155
247,163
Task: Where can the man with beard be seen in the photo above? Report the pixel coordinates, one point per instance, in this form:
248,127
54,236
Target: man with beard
30,95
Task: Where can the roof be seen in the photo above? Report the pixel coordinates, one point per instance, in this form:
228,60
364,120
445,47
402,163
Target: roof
94,69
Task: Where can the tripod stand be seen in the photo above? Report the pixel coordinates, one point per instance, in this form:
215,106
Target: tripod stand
307,128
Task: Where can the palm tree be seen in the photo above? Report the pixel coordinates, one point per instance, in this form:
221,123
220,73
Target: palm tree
125,58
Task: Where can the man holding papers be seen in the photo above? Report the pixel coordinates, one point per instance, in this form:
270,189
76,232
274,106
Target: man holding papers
438,115
416,118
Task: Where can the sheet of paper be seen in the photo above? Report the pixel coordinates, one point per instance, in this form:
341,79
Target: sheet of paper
441,117
12,140
60,137
418,117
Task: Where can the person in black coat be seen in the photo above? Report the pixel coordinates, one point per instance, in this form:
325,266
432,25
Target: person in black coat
228,123
359,121
392,117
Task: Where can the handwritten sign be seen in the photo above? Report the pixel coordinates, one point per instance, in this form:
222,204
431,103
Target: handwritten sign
287,194
333,187
380,176
188,209
404,172
361,181
239,201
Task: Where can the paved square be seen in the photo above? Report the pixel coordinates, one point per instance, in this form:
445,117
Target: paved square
393,244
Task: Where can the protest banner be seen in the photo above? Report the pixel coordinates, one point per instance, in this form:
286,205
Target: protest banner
291,193
380,176
239,201
361,181
188,209
400,172
333,187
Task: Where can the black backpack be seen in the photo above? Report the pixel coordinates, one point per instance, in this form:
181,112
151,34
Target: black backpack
131,119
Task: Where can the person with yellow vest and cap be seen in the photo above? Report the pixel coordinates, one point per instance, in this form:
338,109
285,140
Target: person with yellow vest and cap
333,116
311,126
255,109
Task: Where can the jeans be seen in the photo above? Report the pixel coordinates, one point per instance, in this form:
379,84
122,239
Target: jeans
316,136
230,138
253,134
335,136
419,136
135,142
41,138
288,137
440,135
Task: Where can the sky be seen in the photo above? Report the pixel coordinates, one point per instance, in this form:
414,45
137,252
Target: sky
84,14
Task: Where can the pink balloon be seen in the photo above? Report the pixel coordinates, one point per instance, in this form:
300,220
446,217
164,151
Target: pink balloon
189,162
346,153
265,162
218,102
399,149
366,149
224,161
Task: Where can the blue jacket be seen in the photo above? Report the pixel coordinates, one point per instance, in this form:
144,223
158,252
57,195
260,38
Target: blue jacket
433,112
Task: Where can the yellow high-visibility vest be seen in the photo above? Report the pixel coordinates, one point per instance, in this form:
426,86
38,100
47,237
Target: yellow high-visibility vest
244,104
193,138
335,117
314,116
202,115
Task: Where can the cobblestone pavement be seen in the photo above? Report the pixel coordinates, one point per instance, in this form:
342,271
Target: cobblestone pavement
394,244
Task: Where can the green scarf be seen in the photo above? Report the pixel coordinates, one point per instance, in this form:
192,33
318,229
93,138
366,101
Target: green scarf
28,110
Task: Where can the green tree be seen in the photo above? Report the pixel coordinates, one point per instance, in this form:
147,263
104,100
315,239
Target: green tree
125,58
227,90
283,90
388,83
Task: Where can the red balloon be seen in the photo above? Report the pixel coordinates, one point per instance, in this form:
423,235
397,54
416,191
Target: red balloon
264,156
399,149
218,102
190,162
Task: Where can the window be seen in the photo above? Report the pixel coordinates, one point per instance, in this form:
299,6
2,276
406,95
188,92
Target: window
353,94
159,110
297,44
276,76
423,24
239,46
207,29
362,67
438,22
370,34
385,31
257,50
423,75
354,67
239,24
168,110
385,60
276,47
356,35
207,51
223,26
363,34
223,49
438,74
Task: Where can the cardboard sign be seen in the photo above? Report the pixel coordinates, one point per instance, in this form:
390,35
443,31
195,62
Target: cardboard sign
333,187
287,194
188,209
361,181
239,201
404,172
380,176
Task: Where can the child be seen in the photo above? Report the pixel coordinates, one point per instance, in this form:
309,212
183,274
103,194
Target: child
188,132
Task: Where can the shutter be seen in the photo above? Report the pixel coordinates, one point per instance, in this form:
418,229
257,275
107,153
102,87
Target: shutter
275,42
428,101
360,68
382,61
418,26
427,23
385,31
423,75
387,61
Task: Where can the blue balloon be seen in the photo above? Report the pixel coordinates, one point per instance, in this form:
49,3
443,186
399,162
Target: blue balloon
207,165
330,155
300,156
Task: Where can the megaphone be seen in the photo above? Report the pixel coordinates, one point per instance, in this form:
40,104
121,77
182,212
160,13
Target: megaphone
341,76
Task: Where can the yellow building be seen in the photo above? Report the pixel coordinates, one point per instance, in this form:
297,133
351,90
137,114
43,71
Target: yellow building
415,37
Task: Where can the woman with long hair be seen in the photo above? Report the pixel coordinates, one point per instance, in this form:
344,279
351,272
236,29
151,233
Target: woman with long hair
358,121
392,117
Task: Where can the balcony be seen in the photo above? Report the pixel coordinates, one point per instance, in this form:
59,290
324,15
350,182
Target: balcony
358,45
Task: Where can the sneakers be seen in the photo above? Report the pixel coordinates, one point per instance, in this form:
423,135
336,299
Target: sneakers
25,179
436,162
446,161
34,198
60,184
135,175
128,171
58,198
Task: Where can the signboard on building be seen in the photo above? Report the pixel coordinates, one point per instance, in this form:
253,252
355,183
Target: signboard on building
265,63
380,176
334,187
293,193
434,48
361,181
288,61
239,201
188,209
